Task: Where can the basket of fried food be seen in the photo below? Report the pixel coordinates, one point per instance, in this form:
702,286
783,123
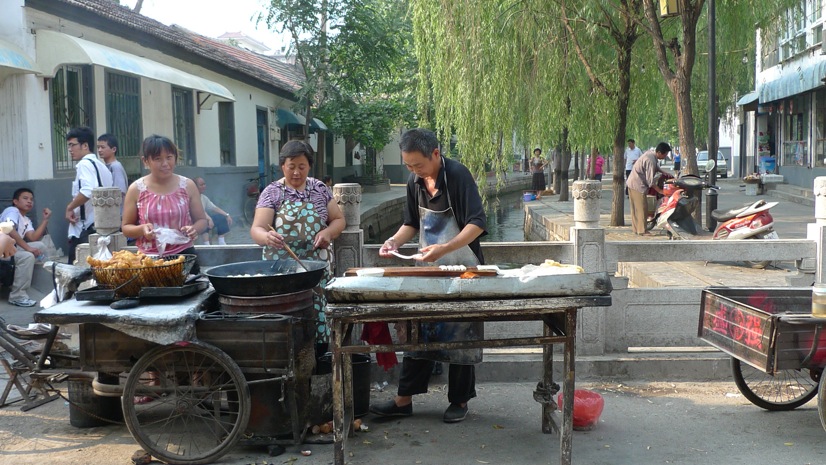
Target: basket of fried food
127,272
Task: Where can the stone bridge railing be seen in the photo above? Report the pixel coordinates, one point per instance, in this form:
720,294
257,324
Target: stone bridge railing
638,317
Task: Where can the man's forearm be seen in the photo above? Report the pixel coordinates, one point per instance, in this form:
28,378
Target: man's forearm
79,200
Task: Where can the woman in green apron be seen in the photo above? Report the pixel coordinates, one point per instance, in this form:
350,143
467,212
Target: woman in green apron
299,211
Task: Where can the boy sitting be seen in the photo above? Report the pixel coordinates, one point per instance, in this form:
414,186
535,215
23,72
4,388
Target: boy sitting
26,239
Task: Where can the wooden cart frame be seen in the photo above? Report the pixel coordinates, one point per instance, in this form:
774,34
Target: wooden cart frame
558,315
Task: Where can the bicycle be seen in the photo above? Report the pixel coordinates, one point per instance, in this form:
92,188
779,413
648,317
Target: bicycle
253,190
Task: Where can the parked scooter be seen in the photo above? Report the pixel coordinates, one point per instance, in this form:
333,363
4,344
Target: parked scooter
751,221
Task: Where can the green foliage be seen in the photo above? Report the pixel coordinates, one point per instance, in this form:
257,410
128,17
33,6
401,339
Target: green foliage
359,74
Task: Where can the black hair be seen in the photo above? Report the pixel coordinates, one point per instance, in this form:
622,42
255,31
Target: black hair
110,140
294,149
419,140
663,147
153,146
327,178
631,140
537,150
83,134
20,192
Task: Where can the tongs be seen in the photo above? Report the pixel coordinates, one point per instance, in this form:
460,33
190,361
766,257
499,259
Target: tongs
407,257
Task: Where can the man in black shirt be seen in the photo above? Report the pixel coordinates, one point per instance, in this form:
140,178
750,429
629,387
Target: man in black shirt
444,208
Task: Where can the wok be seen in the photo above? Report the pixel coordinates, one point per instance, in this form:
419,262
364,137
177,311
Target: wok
282,277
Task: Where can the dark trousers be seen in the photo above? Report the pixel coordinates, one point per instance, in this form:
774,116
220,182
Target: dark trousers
416,376
83,239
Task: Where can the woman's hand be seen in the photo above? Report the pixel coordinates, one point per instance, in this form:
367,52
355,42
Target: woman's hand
323,239
190,231
433,252
148,231
275,240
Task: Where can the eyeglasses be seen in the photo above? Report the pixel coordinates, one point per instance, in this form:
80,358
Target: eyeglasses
72,144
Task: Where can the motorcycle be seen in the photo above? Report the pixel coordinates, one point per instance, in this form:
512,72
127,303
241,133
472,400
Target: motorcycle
750,221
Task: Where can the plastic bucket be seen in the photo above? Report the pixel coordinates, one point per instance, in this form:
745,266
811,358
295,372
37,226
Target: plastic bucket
529,196
361,379
87,410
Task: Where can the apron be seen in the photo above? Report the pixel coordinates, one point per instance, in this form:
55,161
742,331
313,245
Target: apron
439,227
299,222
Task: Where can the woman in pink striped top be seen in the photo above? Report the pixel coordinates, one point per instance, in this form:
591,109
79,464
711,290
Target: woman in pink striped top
162,199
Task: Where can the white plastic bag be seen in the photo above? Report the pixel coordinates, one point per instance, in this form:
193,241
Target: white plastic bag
167,236
103,252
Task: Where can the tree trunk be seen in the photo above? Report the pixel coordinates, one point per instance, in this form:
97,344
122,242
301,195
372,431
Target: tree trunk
623,96
138,6
566,156
685,122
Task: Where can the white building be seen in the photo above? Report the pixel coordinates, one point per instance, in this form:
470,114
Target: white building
68,63
785,117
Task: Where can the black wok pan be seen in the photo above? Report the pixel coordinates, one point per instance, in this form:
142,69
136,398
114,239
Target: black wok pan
287,276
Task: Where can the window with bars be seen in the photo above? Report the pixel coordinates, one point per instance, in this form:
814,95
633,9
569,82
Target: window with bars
71,102
183,121
123,119
226,128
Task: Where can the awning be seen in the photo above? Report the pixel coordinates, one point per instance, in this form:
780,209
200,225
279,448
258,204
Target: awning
55,49
286,117
793,80
748,101
14,61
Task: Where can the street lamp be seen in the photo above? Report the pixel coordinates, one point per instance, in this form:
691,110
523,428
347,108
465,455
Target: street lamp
711,195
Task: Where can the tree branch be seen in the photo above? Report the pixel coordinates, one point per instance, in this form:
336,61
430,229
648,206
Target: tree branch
596,81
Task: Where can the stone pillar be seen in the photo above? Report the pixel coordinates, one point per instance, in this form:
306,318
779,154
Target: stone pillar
817,231
586,196
589,252
349,247
107,202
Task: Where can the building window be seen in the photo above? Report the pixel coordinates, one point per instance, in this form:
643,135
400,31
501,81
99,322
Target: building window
71,102
795,113
226,128
123,119
183,121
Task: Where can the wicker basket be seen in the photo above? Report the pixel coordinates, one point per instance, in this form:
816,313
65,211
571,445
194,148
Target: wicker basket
128,282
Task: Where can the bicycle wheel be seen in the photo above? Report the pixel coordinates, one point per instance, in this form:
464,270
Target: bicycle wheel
249,209
186,403
786,390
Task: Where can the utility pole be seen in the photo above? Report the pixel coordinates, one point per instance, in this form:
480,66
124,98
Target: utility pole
713,126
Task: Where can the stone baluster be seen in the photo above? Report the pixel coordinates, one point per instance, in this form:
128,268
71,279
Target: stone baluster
349,247
817,231
107,202
588,239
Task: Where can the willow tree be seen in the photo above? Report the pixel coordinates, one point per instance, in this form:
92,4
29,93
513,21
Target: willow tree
490,67
604,39
675,42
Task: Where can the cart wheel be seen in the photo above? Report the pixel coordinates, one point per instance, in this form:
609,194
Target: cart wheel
821,409
786,390
187,403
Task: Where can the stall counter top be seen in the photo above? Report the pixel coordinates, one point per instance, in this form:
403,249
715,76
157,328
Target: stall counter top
162,321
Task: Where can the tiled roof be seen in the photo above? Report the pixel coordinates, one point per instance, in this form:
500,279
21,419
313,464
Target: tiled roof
258,67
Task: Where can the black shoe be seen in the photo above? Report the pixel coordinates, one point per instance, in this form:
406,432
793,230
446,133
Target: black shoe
455,413
437,368
390,409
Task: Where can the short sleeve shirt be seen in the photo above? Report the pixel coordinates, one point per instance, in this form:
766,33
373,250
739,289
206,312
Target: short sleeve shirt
22,223
631,155
315,192
464,199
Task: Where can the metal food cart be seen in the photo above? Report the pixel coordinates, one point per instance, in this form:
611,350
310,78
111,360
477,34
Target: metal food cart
212,378
553,300
778,349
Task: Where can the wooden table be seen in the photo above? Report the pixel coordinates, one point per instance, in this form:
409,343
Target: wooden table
559,315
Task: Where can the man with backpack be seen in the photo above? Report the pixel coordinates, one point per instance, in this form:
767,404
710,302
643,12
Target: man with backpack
90,173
